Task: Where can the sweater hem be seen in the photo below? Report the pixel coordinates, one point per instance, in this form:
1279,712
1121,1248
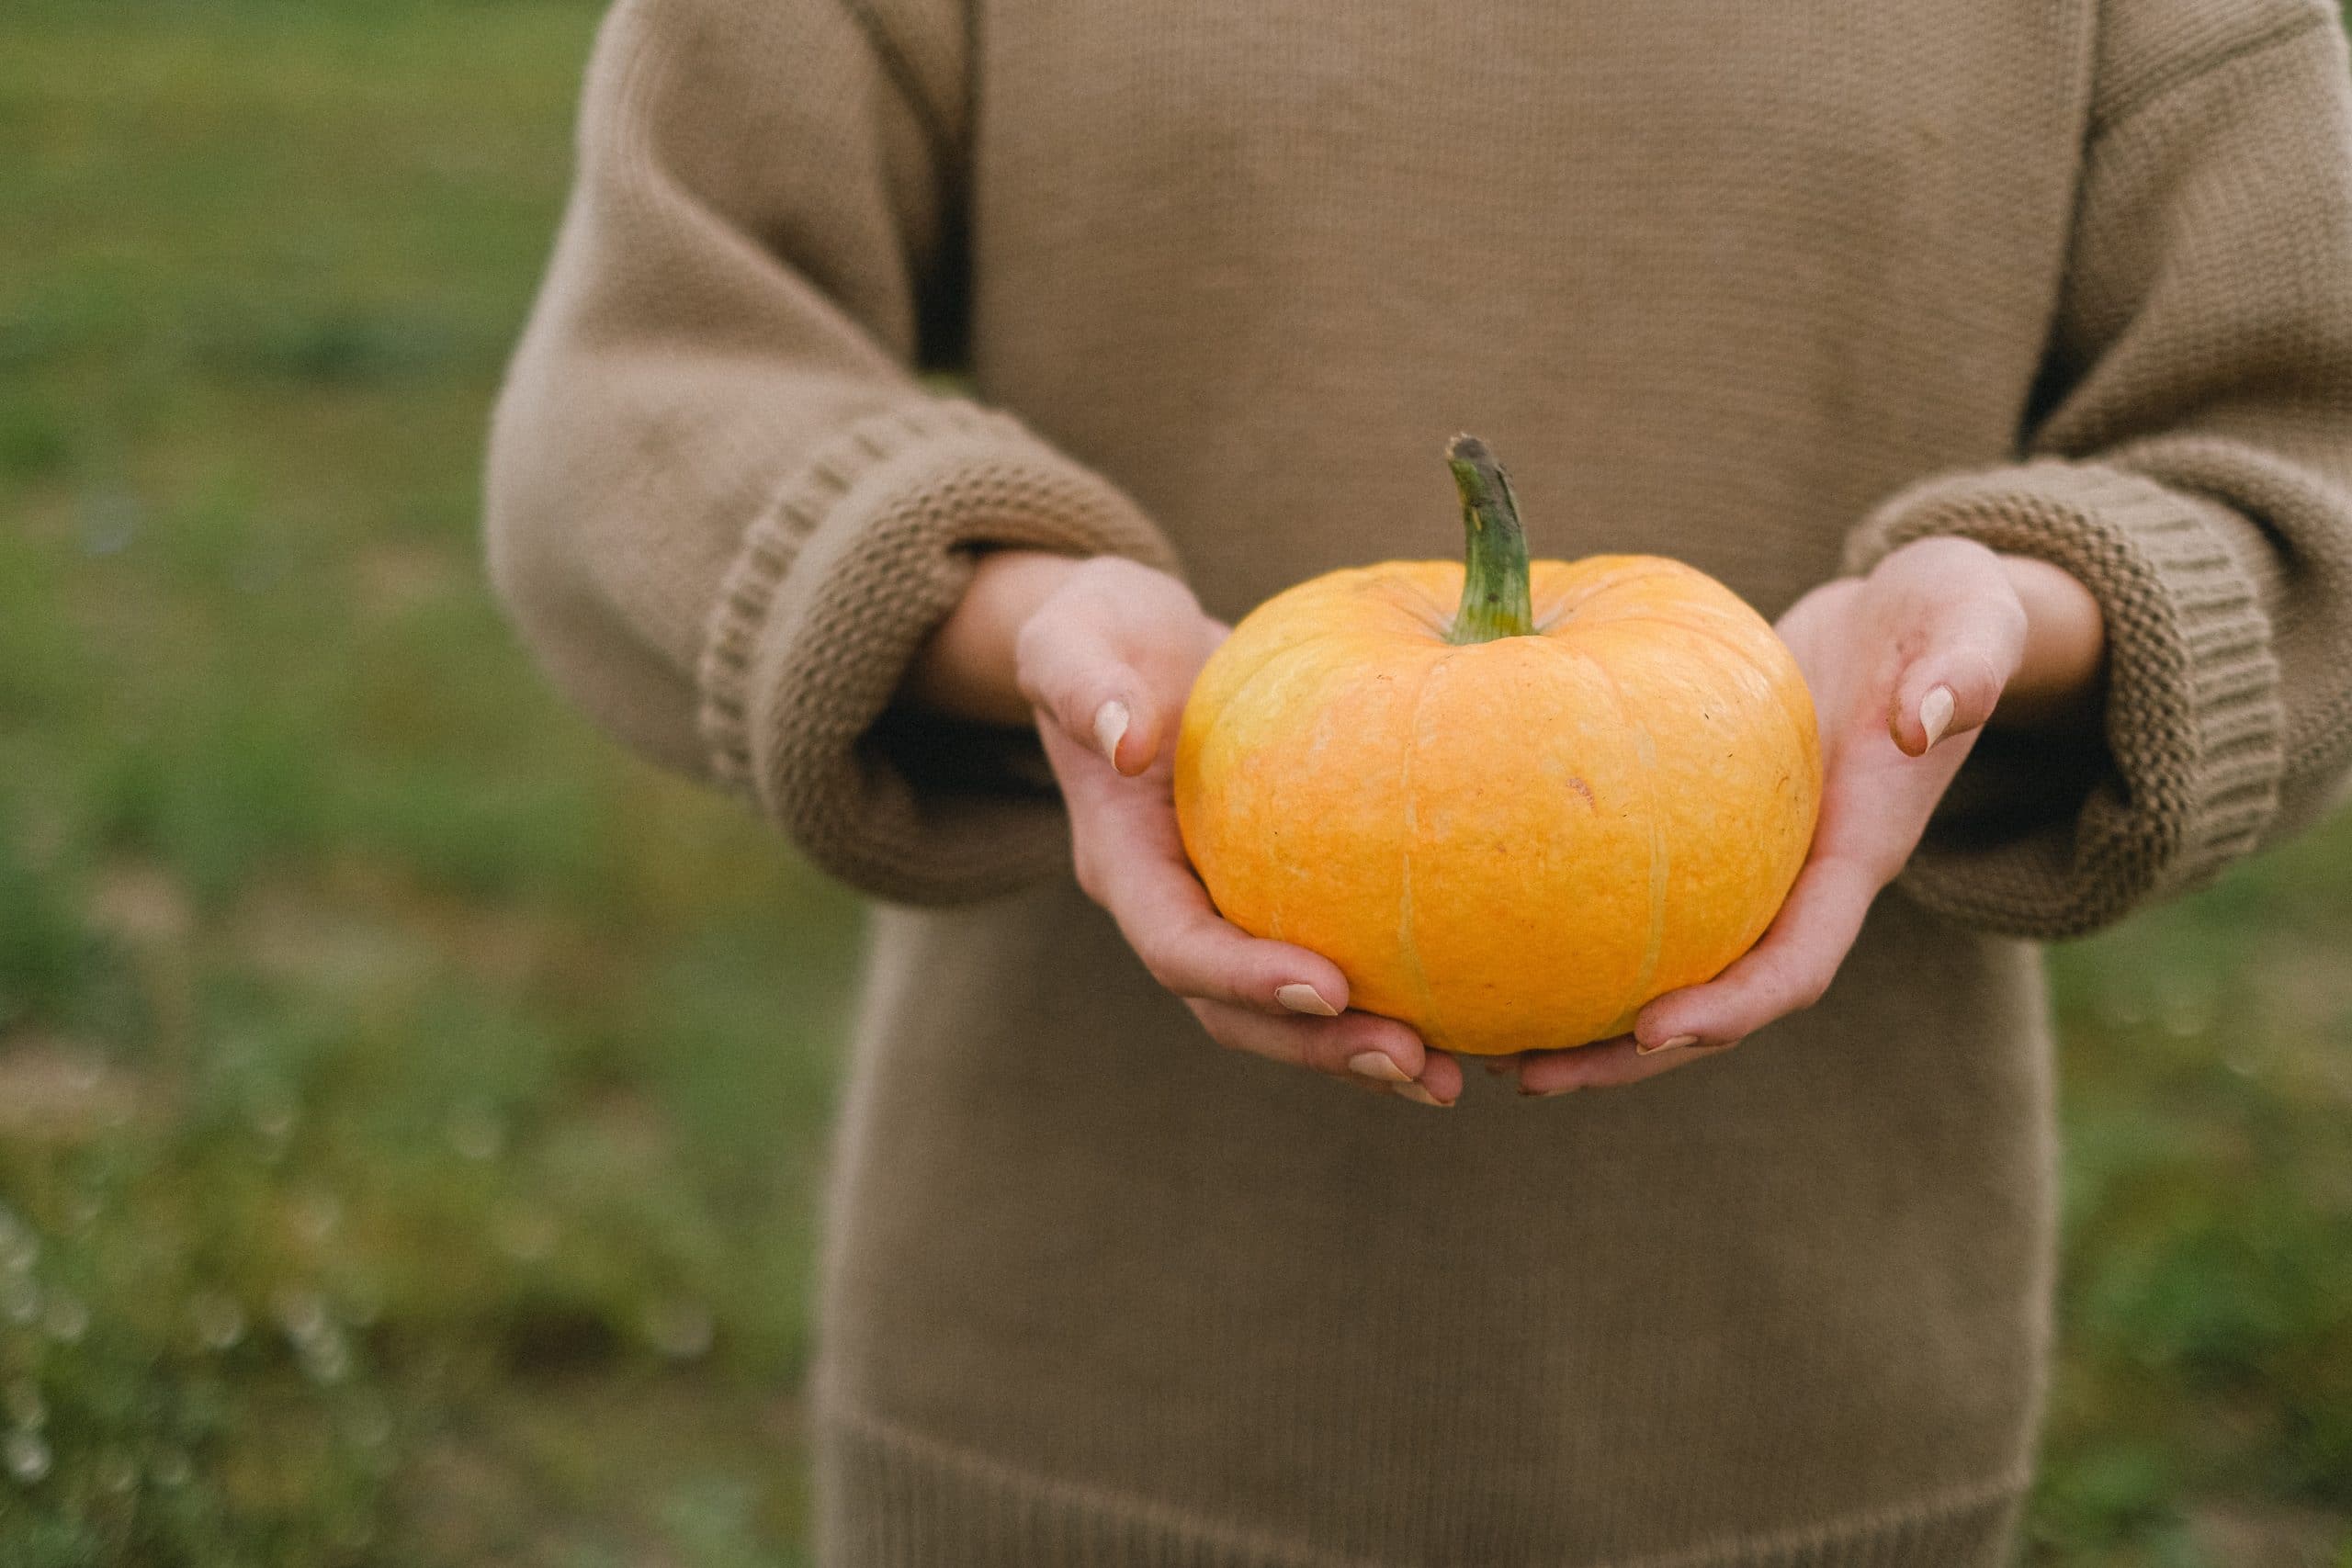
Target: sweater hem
892,1497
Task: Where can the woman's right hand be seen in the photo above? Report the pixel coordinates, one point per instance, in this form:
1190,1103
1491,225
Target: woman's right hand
1104,654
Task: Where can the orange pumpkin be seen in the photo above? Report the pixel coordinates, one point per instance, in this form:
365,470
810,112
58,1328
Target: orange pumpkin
1509,826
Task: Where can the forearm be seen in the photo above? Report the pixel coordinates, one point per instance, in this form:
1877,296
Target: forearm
2060,683
968,668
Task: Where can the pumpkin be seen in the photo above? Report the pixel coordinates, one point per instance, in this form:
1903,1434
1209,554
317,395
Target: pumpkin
1512,823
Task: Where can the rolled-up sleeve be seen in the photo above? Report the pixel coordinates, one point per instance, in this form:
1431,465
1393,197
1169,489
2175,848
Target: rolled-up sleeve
723,508
2190,460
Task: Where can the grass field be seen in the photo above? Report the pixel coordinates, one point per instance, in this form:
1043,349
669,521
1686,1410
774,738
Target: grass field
409,1108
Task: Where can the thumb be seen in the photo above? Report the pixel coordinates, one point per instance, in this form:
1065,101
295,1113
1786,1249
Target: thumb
1078,681
1951,686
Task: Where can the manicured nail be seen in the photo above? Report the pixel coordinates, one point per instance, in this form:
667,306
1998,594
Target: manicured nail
1378,1065
1676,1043
1110,726
1935,712
1306,998
1418,1095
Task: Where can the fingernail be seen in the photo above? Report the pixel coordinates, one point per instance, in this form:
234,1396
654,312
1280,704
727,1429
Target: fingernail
1378,1065
1418,1095
1306,998
1110,725
1935,712
1549,1093
1676,1043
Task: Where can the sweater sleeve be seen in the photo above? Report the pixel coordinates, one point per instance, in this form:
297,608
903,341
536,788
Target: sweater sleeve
2190,458
723,509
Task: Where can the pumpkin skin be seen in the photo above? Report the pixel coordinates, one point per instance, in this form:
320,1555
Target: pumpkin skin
1509,844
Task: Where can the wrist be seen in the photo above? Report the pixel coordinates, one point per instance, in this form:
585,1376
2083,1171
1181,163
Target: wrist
968,666
2060,680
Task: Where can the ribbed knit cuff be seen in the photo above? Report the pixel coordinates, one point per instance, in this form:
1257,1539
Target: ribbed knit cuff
2193,729
857,560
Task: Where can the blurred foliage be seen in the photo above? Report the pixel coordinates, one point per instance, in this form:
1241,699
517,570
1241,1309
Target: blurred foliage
410,1110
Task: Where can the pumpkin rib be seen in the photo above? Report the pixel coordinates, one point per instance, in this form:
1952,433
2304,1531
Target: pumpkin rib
1647,745
1801,736
1431,1031
1807,742
1581,588
1807,739
1438,619
1279,654
1277,803
1745,655
1388,587
1228,703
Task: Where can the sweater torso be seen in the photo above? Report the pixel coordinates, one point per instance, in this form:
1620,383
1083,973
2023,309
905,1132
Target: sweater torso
1714,279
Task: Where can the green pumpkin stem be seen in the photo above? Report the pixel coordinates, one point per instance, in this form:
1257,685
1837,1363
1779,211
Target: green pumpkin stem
1494,578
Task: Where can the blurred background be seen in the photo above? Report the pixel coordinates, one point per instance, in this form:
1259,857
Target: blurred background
410,1107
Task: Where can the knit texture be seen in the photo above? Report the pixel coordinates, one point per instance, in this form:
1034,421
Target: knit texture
2192,717
837,584
903,1503
1770,289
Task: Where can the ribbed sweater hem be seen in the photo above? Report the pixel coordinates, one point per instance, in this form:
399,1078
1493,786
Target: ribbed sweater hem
891,1497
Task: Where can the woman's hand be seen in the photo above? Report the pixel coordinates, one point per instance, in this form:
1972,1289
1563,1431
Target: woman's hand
1102,653
1905,668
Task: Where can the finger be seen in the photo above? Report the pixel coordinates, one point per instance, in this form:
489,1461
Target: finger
1130,859
1787,972
1072,671
1166,916
1362,1046
1608,1064
1440,1079
1951,686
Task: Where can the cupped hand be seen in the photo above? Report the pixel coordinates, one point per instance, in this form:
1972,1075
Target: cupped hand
1106,660
1905,667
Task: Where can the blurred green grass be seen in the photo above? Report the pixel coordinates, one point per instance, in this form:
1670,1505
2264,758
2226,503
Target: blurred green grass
410,1109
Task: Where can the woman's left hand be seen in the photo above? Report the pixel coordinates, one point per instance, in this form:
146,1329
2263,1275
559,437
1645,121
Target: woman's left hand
1906,666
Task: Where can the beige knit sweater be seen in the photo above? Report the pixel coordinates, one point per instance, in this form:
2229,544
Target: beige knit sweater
1769,287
